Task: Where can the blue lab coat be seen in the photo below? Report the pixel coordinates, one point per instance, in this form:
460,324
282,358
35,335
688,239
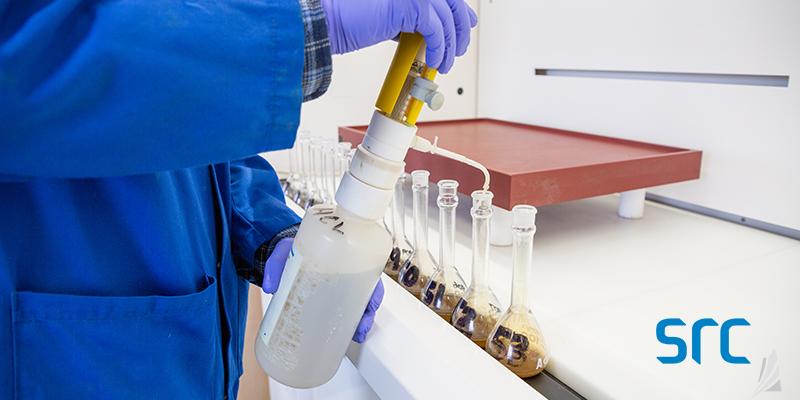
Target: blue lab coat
123,217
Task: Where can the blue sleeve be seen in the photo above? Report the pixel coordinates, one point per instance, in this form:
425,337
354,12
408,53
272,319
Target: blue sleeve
260,215
99,88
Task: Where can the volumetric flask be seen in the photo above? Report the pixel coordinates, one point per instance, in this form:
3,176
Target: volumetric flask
517,341
401,249
479,310
446,286
416,272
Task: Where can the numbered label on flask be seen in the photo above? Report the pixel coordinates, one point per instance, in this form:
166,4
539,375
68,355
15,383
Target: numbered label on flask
410,274
434,292
466,318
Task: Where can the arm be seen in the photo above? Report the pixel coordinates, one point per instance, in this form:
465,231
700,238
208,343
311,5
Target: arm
91,89
260,218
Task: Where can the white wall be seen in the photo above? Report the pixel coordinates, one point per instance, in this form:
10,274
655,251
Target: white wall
750,135
357,79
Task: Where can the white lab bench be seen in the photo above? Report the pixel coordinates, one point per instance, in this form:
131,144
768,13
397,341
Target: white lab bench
600,285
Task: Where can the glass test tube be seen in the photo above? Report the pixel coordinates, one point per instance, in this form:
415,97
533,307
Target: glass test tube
333,168
322,192
303,190
287,182
315,195
344,162
291,183
326,157
517,341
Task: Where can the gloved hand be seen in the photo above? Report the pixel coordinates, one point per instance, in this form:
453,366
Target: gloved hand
445,25
273,269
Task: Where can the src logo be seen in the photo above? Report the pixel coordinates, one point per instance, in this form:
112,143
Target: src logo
680,344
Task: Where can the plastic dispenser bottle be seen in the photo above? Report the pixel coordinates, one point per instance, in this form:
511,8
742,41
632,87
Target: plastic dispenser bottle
401,249
340,250
416,272
446,286
478,311
517,341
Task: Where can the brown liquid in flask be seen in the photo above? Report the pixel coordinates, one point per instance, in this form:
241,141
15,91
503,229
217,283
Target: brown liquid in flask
401,248
446,286
517,341
478,310
417,270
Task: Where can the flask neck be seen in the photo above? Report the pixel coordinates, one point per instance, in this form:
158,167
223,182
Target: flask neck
447,235
480,251
420,210
398,212
522,260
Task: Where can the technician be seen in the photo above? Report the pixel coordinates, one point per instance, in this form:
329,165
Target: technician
133,214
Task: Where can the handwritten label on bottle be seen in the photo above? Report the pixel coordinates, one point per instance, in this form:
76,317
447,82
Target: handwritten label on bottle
329,218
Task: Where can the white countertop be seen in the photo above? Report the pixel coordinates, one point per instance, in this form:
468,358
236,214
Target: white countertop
600,285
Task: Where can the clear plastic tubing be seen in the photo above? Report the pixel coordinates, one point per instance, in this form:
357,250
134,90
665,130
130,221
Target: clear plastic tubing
425,146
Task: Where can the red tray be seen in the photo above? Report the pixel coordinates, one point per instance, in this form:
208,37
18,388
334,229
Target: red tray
535,165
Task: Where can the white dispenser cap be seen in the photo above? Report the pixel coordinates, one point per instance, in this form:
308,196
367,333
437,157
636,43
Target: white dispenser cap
387,138
374,170
367,188
361,199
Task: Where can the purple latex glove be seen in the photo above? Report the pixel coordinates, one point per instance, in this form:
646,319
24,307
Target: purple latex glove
445,25
273,270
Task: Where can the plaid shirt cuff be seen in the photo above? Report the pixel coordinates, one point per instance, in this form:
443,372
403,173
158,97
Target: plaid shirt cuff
317,67
256,275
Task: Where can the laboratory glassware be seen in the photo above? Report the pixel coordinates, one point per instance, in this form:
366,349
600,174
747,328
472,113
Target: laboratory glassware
328,147
446,286
315,195
322,179
479,310
304,190
293,181
416,272
401,249
287,180
332,165
517,341
342,161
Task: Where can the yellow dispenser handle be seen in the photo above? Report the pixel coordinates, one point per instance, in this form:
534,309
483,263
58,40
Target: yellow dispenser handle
408,47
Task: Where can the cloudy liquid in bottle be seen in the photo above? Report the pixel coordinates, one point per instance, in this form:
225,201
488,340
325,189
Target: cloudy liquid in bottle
312,317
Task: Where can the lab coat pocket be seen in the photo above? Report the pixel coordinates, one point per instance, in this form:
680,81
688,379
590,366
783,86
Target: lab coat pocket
90,347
